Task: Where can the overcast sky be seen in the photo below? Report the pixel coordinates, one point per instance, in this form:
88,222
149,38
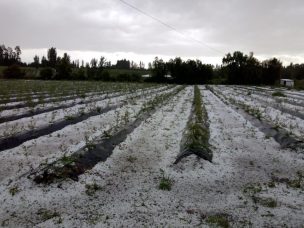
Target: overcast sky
87,29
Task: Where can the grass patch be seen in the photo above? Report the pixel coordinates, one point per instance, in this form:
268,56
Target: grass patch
165,182
47,214
91,189
14,190
65,160
252,189
278,94
267,202
69,118
131,159
218,220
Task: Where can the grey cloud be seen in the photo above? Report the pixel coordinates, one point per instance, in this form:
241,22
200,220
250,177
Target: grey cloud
272,27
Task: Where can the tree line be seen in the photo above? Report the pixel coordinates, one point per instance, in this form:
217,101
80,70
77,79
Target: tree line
9,56
236,68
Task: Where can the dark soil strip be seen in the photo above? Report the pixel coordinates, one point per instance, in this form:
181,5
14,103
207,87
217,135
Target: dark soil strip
83,160
280,135
17,140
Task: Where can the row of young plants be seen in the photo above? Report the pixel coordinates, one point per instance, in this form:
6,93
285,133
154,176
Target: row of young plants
12,88
272,101
196,135
100,148
10,114
79,108
276,96
16,132
70,93
287,92
287,130
66,141
279,117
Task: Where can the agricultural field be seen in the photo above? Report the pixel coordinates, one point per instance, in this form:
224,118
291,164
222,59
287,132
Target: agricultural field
95,154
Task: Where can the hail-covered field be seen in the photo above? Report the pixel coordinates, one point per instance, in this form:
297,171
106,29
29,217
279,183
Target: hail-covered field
85,154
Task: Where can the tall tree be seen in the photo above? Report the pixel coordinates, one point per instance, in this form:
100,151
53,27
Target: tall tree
18,53
272,70
64,68
52,57
36,61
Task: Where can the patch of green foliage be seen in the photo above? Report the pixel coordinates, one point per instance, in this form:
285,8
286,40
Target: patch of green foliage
252,189
267,202
218,220
131,159
92,188
14,190
165,182
197,135
278,94
47,214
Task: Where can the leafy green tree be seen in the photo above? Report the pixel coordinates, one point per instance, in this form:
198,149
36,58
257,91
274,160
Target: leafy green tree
44,62
64,68
272,70
159,70
52,57
36,62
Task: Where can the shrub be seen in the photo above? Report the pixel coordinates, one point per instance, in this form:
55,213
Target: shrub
79,74
47,73
128,77
13,71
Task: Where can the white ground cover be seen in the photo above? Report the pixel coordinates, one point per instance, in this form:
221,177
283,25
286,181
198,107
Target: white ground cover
48,118
127,192
292,124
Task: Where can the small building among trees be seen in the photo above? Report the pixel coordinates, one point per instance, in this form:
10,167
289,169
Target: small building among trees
287,82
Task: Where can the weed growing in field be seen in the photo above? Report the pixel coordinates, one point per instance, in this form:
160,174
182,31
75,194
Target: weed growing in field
14,190
267,202
89,143
219,220
47,214
131,159
92,188
278,94
66,160
69,118
166,182
252,189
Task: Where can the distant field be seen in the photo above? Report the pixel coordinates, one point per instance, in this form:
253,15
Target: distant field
115,72
32,72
